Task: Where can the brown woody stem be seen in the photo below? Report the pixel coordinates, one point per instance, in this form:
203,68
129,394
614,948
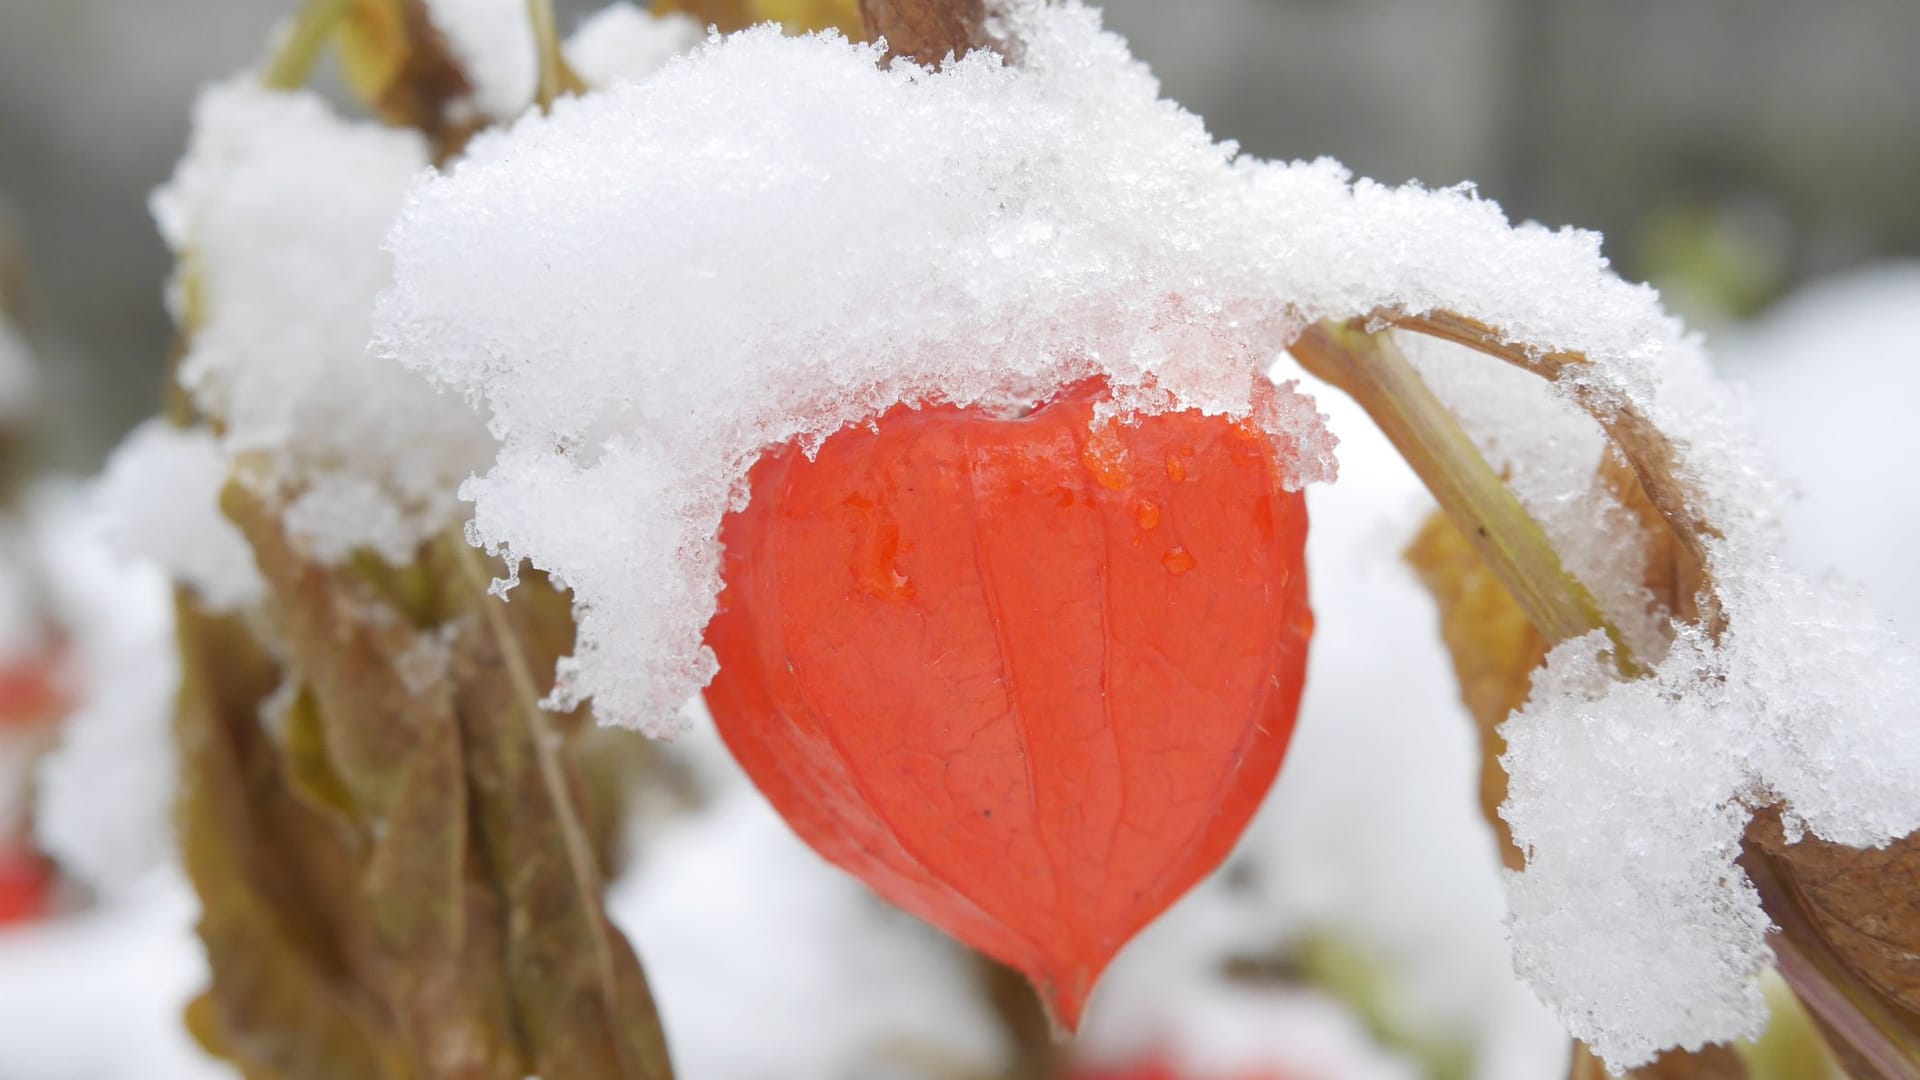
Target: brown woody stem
293,60
1371,369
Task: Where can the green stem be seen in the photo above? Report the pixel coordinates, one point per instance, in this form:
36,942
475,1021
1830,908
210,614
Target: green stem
293,61
1374,372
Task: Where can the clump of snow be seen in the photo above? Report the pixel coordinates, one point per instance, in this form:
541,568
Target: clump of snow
622,42
778,237
277,213
737,918
104,804
493,42
160,500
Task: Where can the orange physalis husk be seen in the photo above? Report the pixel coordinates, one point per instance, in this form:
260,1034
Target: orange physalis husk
1026,677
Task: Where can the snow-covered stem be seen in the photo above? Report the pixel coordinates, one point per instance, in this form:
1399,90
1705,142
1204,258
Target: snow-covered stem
1650,452
293,60
1372,370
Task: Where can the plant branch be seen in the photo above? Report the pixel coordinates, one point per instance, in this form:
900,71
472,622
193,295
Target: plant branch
1653,456
299,49
556,77
1372,370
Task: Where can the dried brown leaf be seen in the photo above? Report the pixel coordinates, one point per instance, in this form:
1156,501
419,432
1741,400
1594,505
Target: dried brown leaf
1494,649
1864,904
577,990
281,1004
347,647
388,887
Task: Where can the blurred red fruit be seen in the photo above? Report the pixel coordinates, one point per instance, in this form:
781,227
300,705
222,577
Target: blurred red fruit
29,696
26,884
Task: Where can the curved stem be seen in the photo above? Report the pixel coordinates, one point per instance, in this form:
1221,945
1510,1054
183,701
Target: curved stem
1374,372
299,50
1653,456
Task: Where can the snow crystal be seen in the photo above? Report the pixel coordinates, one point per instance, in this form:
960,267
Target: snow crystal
277,214
160,496
621,42
778,237
105,793
493,42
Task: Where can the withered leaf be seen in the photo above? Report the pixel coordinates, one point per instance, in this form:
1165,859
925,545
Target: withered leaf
1864,903
388,885
348,647
577,989
1494,649
280,1005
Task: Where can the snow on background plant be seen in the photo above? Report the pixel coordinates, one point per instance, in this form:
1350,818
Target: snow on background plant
624,300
